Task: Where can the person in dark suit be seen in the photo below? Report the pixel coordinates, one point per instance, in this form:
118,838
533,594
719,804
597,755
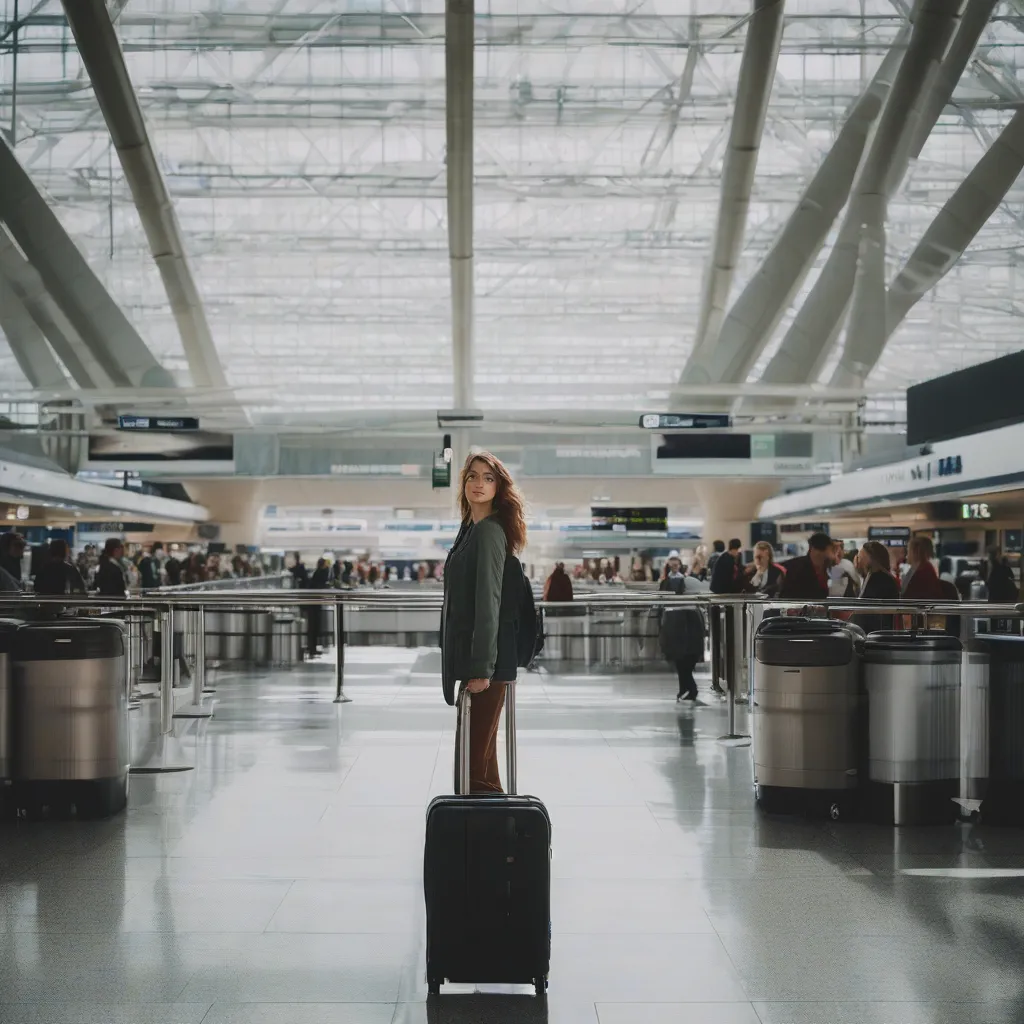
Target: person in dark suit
320,580
300,575
57,576
807,575
879,585
1002,587
480,609
12,550
681,635
725,577
110,579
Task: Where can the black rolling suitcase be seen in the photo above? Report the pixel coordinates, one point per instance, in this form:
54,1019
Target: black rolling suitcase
487,878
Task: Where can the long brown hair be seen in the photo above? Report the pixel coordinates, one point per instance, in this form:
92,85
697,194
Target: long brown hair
509,506
878,556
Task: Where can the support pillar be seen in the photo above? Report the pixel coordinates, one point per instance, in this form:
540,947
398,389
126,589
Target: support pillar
730,506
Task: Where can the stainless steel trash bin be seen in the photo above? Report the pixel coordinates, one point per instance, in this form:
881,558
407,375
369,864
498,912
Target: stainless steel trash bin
285,639
808,716
70,719
913,685
993,748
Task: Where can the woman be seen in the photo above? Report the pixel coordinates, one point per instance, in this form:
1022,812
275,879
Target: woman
922,581
879,585
763,576
682,632
478,621
57,576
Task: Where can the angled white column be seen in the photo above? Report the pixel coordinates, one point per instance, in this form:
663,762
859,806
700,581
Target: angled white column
975,17
28,288
97,43
71,283
757,311
458,49
757,72
806,344
27,343
953,229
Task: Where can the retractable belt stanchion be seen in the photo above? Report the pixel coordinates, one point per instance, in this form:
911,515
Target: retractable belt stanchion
733,614
167,672
339,646
197,636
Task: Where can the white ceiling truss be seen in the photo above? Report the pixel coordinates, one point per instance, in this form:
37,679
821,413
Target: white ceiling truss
303,144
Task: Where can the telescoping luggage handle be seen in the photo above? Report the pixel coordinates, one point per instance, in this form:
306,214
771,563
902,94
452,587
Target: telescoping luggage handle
462,759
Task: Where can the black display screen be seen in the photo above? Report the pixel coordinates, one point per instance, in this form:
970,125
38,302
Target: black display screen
982,397
704,446
630,520
890,536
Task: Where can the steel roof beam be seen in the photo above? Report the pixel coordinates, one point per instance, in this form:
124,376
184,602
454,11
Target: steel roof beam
459,28
757,72
27,287
98,320
953,229
867,333
816,327
758,309
27,343
97,44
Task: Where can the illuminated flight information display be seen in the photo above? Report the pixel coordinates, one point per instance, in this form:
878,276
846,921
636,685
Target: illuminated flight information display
630,520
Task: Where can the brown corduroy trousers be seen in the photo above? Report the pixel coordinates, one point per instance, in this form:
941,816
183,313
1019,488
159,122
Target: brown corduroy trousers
484,715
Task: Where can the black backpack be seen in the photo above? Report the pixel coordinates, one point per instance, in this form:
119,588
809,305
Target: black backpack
529,618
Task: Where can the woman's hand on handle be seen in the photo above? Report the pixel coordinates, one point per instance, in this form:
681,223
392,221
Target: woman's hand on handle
478,685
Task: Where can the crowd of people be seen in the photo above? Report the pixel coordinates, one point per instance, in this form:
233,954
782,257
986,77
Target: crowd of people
828,570
109,571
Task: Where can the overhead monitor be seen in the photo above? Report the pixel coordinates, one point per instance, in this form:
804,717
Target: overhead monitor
982,397
686,421
129,448
890,536
165,424
704,446
630,520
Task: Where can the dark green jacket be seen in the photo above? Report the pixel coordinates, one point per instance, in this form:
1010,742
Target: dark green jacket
477,627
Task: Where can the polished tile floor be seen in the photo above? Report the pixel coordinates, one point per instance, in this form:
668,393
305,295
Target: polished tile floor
280,881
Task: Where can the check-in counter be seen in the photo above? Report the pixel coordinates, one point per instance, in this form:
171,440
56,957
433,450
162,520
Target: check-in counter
372,627
604,638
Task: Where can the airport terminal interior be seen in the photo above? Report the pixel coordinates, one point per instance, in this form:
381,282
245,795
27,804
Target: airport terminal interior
511,511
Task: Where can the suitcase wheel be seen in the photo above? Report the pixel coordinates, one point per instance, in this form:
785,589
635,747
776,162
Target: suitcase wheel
540,985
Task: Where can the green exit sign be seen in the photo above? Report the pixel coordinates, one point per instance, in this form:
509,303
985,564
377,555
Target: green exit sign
441,475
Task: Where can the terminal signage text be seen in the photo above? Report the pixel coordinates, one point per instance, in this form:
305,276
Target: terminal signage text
164,423
686,421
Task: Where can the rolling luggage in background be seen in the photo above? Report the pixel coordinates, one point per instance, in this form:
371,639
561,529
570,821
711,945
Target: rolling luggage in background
487,877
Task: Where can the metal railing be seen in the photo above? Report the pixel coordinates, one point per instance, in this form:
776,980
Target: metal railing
189,605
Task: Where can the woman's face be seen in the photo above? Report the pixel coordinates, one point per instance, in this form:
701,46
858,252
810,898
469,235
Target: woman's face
761,559
863,562
481,484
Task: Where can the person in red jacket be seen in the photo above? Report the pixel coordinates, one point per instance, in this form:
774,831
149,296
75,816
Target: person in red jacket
922,582
806,577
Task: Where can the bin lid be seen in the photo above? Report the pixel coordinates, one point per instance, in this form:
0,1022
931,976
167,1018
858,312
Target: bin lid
799,625
70,640
917,645
793,649
8,627
1001,647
